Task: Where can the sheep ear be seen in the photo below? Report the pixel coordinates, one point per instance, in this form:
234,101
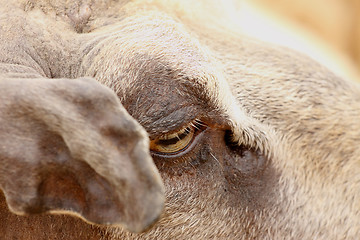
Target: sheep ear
93,161
60,183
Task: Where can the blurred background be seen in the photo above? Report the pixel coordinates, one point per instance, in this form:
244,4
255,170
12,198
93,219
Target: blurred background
327,30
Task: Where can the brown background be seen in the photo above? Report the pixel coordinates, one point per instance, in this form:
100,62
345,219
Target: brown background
336,22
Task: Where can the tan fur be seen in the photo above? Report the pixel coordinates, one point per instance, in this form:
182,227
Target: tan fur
171,62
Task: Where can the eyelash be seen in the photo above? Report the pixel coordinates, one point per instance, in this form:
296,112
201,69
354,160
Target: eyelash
185,155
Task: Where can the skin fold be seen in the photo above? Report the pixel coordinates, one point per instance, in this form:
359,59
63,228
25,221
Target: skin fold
88,88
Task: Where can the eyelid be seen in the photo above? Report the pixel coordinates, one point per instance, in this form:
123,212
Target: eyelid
174,134
163,123
196,123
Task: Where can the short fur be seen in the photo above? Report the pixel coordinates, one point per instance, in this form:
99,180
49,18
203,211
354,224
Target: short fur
278,157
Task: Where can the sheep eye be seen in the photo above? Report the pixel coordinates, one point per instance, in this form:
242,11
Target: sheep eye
175,143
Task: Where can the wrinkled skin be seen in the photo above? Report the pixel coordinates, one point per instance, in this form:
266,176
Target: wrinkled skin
275,154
